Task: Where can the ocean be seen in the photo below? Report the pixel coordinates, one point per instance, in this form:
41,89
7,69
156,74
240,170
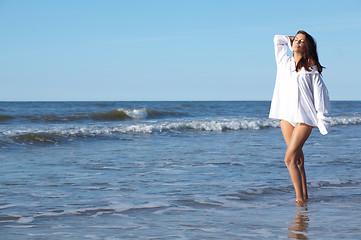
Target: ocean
172,170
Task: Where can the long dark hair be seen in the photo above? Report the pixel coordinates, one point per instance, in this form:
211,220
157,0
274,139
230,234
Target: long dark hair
310,53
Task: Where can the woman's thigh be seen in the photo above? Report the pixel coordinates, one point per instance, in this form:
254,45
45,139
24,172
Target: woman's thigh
287,130
299,136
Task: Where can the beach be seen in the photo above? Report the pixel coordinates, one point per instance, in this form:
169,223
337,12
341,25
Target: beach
172,170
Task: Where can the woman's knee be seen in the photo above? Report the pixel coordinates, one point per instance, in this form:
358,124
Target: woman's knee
291,158
290,162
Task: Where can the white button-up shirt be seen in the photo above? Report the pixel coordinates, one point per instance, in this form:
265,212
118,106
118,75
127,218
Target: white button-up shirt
299,97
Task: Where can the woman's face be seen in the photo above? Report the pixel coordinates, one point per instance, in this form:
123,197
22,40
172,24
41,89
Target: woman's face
299,43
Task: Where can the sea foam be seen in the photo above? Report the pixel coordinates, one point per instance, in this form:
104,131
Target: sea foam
60,134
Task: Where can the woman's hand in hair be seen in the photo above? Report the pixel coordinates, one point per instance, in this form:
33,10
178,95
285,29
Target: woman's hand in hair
292,38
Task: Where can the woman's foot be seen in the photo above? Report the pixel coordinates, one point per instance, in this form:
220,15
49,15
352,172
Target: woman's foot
300,203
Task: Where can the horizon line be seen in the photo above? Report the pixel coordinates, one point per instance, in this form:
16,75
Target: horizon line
337,100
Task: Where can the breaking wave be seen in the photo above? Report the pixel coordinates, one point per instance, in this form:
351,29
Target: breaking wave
55,136
122,114
63,134
128,114
345,120
112,115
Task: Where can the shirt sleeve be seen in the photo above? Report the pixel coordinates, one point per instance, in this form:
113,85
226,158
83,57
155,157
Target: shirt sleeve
322,104
281,42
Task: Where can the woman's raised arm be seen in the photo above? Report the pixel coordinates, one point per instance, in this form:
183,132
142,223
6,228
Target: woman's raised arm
281,42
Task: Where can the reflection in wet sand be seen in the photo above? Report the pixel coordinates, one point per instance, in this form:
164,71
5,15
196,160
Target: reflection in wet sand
298,227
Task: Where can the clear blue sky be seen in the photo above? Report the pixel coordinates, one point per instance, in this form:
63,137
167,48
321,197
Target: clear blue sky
168,49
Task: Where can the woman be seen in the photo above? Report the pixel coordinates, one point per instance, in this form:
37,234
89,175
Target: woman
300,101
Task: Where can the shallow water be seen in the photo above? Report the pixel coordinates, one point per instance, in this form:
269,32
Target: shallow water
177,170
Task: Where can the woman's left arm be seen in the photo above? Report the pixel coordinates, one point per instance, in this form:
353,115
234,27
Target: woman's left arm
322,104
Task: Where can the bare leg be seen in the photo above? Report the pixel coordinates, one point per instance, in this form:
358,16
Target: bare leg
287,130
301,166
295,137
